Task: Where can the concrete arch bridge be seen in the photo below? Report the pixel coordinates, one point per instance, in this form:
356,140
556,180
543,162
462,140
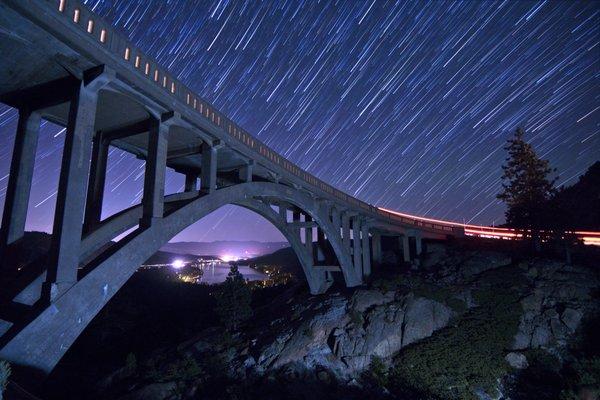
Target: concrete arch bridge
62,63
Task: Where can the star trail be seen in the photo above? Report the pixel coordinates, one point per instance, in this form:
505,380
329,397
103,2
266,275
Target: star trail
405,105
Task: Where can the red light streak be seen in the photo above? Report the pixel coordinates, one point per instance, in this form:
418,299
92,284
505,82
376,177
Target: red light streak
588,237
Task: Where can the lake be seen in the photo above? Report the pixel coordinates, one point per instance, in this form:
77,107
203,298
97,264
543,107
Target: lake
217,272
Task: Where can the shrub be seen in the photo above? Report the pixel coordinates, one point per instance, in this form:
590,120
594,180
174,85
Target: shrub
459,360
377,374
233,300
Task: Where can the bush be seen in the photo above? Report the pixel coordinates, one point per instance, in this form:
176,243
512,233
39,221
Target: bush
377,374
457,361
233,300
4,375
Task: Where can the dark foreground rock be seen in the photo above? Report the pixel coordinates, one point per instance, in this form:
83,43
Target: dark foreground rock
467,325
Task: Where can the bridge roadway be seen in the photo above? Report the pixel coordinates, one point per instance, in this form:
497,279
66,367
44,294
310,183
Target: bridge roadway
62,63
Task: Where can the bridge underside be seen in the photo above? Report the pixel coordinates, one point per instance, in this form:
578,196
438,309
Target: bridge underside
44,78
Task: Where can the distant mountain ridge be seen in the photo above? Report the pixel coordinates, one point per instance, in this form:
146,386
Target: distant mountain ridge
246,249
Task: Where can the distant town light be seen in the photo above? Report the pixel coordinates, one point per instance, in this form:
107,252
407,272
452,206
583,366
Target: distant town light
178,264
229,257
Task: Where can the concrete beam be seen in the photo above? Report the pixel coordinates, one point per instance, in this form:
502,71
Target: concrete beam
44,95
184,152
19,181
132,129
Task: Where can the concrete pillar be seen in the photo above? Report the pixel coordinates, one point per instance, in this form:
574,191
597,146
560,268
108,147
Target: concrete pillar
404,245
321,245
366,251
283,212
97,178
245,172
346,231
19,180
208,181
376,243
418,244
191,180
356,245
308,236
63,258
336,220
154,178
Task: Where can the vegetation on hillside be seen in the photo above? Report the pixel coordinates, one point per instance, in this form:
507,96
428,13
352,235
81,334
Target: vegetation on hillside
233,300
465,358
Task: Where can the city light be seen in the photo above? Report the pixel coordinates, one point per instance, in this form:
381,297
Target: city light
229,257
178,264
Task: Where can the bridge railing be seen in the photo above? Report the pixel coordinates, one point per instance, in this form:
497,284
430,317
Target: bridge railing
76,13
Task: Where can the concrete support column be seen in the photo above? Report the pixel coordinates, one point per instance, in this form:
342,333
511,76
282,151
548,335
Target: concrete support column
346,231
245,172
19,180
404,245
95,193
283,212
418,244
154,178
321,245
308,236
376,243
208,181
356,245
336,220
366,251
63,258
191,181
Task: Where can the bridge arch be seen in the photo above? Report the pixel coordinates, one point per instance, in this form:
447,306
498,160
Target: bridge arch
43,342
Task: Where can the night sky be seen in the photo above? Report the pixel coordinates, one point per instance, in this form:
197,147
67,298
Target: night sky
405,105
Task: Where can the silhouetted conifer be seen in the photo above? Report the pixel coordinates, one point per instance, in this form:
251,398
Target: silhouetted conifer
526,187
233,300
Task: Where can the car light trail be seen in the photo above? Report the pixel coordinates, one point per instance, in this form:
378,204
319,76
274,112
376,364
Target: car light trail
589,238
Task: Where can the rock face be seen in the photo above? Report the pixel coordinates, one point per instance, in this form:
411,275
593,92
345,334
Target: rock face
344,334
555,306
517,360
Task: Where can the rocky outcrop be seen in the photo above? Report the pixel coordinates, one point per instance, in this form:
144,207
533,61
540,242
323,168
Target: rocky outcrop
334,338
343,334
558,298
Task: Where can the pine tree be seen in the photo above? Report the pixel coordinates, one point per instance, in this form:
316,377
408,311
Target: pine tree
526,187
233,300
